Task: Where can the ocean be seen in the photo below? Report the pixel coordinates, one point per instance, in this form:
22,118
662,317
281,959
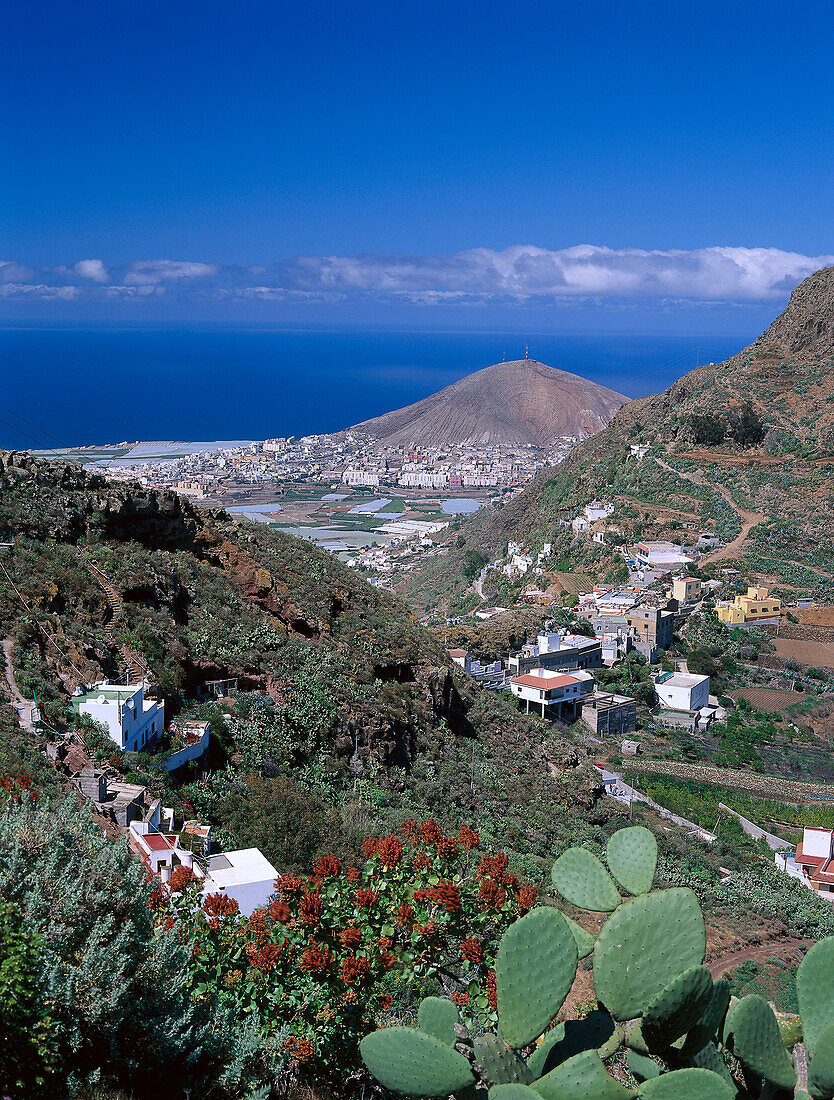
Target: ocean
107,385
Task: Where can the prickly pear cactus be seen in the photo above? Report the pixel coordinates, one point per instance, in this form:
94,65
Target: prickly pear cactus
583,881
406,1060
631,855
658,1005
643,946
534,970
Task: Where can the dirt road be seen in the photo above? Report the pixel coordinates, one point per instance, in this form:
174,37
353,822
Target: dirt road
23,707
748,519
761,951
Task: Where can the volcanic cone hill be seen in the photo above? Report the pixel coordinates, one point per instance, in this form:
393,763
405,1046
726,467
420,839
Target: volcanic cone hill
521,402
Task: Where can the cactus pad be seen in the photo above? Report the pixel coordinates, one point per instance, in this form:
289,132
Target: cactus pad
686,1084
583,881
406,1060
710,1058
678,1007
815,991
534,970
438,1017
581,1078
631,855
642,1066
498,1064
712,1021
821,1069
752,1034
512,1092
643,946
565,1040
584,940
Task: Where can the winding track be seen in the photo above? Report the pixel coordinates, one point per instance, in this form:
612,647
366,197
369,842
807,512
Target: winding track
748,519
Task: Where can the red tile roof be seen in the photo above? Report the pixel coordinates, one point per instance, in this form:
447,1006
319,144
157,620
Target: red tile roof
157,842
546,682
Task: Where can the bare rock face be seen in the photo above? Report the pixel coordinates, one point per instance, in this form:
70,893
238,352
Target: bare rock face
522,402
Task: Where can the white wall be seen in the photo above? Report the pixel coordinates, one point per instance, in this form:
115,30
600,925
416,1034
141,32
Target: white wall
816,842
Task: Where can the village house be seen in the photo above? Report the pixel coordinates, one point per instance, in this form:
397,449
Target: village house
682,691
554,650
756,606
606,714
687,590
132,721
547,690
815,858
666,556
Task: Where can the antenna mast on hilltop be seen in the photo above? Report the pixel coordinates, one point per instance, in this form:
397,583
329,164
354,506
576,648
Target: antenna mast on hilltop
526,351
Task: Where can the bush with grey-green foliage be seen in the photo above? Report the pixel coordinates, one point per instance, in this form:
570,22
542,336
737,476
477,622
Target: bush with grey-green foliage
657,1005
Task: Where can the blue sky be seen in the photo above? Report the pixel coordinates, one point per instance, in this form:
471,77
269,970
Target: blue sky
414,162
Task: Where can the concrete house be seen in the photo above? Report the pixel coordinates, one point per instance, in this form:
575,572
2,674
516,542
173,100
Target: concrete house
131,720
755,607
815,858
606,714
550,690
555,650
682,691
245,875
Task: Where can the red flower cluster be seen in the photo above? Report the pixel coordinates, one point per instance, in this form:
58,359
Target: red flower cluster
354,968
369,846
267,958
491,895
350,936
180,878
404,915
17,785
300,1050
492,991
310,909
493,866
353,875
289,885
365,899
460,999
430,831
447,846
316,958
327,866
410,830
387,961
390,851
217,907
421,862
280,911
527,896
384,1002
469,839
472,951
156,901
447,896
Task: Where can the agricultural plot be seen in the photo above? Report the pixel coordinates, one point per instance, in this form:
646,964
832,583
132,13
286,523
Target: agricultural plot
770,700
806,653
769,786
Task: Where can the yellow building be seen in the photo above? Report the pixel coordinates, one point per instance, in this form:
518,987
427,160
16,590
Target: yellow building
687,589
757,604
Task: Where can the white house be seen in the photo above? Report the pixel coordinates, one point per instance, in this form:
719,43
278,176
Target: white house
546,689
815,858
683,691
131,720
661,555
245,875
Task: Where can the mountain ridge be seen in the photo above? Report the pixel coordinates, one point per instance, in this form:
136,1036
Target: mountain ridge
523,402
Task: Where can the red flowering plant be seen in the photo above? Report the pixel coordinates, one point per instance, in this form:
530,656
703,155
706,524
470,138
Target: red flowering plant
348,948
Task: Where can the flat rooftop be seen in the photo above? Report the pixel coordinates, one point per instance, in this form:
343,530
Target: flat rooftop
240,867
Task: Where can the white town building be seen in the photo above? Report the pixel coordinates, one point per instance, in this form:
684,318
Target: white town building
131,720
547,689
683,691
245,875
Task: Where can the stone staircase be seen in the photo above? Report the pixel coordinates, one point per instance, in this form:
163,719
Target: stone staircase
136,668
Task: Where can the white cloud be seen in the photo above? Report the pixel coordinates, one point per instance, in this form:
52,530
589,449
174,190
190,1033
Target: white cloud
523,273
526,271
150,272
92,269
